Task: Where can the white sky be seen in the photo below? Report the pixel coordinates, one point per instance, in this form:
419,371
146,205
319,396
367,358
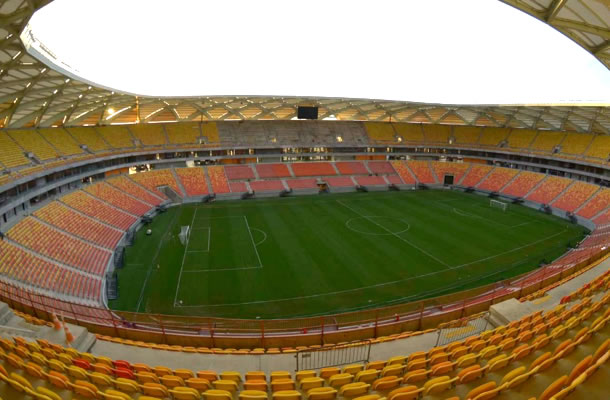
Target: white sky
439,51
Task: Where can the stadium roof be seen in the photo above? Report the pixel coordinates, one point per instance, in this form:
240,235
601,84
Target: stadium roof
32,94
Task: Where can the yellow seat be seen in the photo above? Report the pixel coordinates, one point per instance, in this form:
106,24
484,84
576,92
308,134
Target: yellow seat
386,383
310,383
118,394
126,385
280,375
184,373
410,392
211,376
367,376
184,393
24,382
300,375
378,365
253,395
354,389
49,393
147,377
353,368
438,385
215,394
200,384
397,360
100,379
339,380
154,390
77,372
482,392
260,385
230,376
470,374
85,389
326,373
498,362
172,381
260,375
415,376
229,386
322,393
286,395
279,385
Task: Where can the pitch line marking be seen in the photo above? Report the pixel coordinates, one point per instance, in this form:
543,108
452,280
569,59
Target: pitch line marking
253,244
396,235
355,289
347,225
264,235
184,258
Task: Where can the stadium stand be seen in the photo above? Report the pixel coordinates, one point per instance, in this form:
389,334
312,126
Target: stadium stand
523,184
183,133
575,196
394,179
422,171
547,140
88,137
11,155
193,180
61,140
410,133
313,169
475,174
380,132
128,186
152,180
575,143
352,168
437,133
370,181
449,168
599,148
210,131
33,142
218,179
272,171
404,172
118,137
79,225
302,183
239,172
603,219
113,196
25,267
497,179
466,135
238,187
549,189
599,202
493,136
52,243
266,186
339,181
521,138
149,134
381,167
92,207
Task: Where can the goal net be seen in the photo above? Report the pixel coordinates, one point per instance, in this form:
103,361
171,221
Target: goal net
184,234
498,204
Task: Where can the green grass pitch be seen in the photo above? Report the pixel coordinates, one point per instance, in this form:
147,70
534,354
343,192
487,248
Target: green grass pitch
303,256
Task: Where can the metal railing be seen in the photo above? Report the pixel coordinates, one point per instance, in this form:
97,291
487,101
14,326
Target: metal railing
333,356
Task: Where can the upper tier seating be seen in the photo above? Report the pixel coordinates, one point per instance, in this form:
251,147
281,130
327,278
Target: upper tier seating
239,172
422,171
270,185
64,218
88,137
493,136
339,181
11,155
118,137
61,140
111,195
523,184
151,180
149,134
52,243
193,180
352,168
410,133
497,179
380,132
475,175
313,169
183,133
24,266
600,148
449,168
218,179
404,172
437,133
209,130
575,196
597,204
92,207
550,188
307,183
521,138
547,140
33,142
272,170
370,181
381,167
576,143
467,135
126,185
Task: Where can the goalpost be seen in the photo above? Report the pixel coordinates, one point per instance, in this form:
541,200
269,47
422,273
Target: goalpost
184,234
498,204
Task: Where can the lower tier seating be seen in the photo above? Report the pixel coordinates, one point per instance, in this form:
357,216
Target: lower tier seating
126,185
575,196
313,169
269,185
549,189
272,171
92,207
218,179
339,181
497,179
371,181
599,202
475,174
352,168
380,167
155,178
113,196
422,171
239,172
449,168
523,184
193,180
238,187
311,183
405,174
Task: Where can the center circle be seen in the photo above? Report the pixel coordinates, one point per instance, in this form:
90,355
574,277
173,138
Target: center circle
377,225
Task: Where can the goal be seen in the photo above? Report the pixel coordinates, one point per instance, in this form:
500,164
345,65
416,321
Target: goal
184,234
498,204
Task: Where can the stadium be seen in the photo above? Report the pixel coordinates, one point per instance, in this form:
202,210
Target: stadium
253,247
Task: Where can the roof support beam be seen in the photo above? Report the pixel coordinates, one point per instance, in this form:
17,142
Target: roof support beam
554,9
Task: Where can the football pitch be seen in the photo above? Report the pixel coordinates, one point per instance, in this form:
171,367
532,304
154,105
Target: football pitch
313,255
